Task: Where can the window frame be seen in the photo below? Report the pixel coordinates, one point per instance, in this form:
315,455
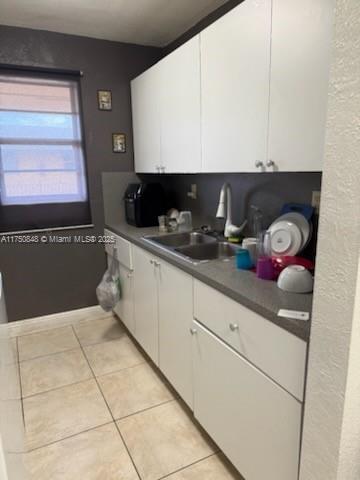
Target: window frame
55,74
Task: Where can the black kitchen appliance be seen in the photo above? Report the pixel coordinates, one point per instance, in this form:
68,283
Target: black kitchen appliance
144,202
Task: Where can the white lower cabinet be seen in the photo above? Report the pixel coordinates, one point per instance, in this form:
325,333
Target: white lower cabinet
175,318
163,314
254,421
146,303
125,308
262,342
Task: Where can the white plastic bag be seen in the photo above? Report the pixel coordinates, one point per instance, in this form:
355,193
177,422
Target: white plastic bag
108,291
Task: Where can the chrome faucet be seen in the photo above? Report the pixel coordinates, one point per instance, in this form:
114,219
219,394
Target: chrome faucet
231,230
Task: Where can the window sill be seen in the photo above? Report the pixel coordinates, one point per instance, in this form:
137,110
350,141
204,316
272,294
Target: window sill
44,230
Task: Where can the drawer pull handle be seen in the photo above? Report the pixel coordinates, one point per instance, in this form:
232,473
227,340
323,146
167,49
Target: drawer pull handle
152,262
193,331
234,327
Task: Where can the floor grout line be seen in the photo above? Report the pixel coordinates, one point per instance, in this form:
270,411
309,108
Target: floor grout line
69,436
105,341
127,449
20,382
72,327
59,387
38,332
120,370
112,416
144,410
188,466
70,349
49,354
64,386
69,323
93,375
97,380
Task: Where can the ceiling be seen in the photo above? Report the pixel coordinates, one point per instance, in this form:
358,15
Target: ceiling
145,22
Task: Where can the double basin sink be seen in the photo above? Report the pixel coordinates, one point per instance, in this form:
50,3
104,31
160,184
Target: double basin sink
194,246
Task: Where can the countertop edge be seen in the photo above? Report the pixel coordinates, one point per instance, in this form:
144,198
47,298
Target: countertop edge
287,324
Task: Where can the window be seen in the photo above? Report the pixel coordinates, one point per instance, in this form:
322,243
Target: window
42,166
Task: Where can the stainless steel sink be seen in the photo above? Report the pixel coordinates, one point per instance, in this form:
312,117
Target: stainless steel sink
181,239
194,247
209,251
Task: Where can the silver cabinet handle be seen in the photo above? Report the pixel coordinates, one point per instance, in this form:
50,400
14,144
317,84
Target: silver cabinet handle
158,168
193,331
162,169
259,164
152,262
157,264
233,327
270,163
129,275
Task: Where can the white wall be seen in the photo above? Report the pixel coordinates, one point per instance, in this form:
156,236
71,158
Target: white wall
349,461
331,438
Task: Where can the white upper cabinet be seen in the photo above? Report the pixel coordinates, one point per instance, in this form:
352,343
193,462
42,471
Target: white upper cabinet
145,98
166,113
180,109
249,94
235,68
300,59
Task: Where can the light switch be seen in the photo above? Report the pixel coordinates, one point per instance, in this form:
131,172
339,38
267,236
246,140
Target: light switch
315,201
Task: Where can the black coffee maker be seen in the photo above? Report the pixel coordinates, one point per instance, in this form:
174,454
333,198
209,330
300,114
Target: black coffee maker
144,203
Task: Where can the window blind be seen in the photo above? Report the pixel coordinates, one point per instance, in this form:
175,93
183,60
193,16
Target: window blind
42,162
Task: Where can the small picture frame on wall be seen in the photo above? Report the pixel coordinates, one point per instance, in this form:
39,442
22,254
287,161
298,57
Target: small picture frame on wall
104,100
119,142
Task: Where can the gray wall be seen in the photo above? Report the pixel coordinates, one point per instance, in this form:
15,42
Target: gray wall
46,279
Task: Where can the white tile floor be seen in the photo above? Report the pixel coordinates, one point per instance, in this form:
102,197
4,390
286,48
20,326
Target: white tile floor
95,408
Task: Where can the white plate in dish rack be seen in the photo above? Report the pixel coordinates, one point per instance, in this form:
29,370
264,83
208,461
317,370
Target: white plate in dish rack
303,224
286,238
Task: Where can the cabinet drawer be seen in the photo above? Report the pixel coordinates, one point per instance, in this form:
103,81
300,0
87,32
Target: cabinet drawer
123,249
279,354
254,421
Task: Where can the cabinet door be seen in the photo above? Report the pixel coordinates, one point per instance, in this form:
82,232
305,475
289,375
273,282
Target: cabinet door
255,422
300,60
261,342
125,308
145,99
146,303
175,318
180,109
235,69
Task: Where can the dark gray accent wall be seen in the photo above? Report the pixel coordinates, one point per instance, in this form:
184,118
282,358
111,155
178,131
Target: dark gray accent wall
44,279
268,191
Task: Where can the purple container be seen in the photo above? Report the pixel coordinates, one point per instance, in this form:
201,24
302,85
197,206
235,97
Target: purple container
265,268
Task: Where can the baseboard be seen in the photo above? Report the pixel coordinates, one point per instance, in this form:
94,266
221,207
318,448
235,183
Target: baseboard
55,320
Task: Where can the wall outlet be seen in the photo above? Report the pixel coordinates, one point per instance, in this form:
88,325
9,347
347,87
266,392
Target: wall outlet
193,192
315,201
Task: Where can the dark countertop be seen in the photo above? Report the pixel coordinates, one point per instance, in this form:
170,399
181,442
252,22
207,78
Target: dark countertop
261,296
